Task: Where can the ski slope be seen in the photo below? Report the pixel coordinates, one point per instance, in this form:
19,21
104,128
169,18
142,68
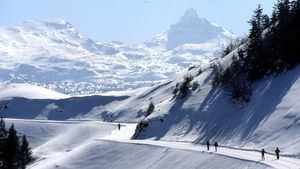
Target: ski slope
94,144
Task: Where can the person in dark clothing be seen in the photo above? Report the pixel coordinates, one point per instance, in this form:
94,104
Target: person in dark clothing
277,151
119,126
263,154
207,145
216,146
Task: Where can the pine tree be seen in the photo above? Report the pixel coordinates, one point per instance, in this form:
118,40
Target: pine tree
25,153
185,86
150,109
218,75
254,50
293,57
282,31
3,134
11,150
265,22
283,12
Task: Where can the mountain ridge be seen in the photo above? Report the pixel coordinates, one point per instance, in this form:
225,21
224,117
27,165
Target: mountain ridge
53,54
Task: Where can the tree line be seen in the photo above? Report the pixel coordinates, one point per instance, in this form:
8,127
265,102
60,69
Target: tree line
14,153
271,47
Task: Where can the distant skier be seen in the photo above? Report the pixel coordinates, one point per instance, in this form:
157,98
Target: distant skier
207,145
263,154
277,151
119,126
216,146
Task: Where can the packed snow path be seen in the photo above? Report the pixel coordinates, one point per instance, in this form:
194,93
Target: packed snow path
57,143
127,130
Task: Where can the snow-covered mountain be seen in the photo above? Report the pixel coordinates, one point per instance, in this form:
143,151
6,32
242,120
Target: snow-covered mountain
269,120
54,55
195,29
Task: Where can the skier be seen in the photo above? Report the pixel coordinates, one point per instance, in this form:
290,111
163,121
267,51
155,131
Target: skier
207,144
119,126
277,151
216,146
263,154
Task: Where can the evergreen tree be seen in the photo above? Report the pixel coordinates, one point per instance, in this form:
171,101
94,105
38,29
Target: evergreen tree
218,75
294,39
150,109
265,22
11,150
185,86
274,18
283,13
3,134
254,50
25,153
282,32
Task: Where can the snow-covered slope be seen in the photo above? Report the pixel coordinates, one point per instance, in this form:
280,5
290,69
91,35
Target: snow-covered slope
269,120
91,145
54,55
28,91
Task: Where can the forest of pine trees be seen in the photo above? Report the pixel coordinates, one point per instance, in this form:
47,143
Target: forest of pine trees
14,154
272,47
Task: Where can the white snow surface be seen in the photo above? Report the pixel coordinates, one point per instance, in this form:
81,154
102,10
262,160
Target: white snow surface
269,120
29,91
177,128
53,54
93,144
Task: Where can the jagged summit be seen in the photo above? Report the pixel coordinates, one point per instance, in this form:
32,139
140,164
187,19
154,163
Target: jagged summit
193,28
191,13
192,18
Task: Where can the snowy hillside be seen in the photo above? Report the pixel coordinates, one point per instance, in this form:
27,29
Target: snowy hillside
54,55
28,91
178,125
92,144
271,118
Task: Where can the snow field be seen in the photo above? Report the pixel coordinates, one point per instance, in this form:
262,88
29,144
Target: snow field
93,145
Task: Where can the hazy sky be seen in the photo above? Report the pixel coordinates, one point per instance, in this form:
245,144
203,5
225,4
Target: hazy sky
129,21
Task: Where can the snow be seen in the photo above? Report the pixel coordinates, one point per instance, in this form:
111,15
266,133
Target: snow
54,55
269,120
193,28
93,144
29,91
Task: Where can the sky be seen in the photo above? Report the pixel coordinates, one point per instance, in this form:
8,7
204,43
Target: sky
130,21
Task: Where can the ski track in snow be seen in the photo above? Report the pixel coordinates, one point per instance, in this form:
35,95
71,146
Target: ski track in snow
127,130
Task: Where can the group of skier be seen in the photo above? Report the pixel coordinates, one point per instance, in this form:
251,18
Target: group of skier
215,144
263,151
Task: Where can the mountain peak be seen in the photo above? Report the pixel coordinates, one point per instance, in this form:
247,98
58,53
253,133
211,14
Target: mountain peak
191,13
193,28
